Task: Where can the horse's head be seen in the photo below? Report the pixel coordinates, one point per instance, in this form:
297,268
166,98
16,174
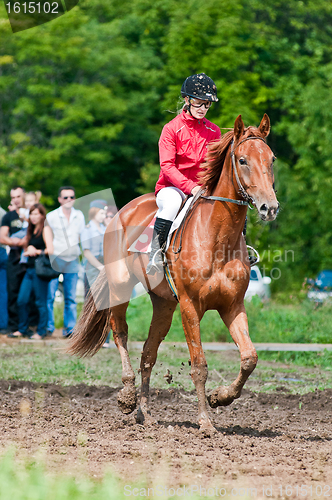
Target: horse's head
253,166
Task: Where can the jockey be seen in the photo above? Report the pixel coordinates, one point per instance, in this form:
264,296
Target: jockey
182,149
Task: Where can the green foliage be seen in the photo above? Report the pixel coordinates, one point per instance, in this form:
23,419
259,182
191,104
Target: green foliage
290,320
83,100
298,322
309,359
69,91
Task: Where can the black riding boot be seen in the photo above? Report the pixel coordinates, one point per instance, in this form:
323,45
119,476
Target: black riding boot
160,233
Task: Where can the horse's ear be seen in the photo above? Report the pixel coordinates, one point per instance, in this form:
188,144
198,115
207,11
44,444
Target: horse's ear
264,126
238,128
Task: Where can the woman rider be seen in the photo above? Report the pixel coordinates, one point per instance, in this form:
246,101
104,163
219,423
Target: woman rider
182,148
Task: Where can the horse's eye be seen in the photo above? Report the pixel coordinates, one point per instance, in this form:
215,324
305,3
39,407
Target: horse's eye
242,161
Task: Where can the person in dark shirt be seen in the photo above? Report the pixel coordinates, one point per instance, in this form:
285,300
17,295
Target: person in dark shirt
10,225
39,239
3,284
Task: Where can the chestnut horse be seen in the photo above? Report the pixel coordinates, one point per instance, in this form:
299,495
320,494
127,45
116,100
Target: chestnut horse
208,261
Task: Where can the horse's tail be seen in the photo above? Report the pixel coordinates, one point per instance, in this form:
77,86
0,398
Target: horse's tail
94,322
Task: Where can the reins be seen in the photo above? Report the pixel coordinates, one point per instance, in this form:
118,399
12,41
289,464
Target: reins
199,194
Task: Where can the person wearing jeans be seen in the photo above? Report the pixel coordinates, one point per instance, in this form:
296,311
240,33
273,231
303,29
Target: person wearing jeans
67,225
3,284
69,271
30,283
10,225
38,240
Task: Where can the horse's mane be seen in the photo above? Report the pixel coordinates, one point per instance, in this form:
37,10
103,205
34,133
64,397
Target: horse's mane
214,161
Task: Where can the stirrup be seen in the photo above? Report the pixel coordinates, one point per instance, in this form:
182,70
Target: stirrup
253,259
156,263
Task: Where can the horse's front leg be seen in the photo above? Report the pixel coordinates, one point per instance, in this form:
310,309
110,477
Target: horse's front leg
199,371
237,323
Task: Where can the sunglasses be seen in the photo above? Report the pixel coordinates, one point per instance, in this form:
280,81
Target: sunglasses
69,197
198,103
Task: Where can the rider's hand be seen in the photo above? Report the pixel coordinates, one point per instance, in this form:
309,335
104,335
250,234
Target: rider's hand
195,190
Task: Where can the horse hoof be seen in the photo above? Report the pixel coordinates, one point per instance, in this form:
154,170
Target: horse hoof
145,418
207,429
127,399
220,397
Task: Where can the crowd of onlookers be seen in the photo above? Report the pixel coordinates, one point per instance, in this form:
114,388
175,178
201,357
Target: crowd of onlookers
28,237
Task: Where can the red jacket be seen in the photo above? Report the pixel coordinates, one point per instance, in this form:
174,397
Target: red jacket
182,148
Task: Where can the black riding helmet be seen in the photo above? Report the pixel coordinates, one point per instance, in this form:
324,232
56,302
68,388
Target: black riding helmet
200,86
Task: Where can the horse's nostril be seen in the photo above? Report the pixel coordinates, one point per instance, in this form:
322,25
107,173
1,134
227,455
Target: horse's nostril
263,208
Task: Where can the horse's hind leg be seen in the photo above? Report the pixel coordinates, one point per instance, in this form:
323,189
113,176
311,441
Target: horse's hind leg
161,322
199,371
237,323
127,398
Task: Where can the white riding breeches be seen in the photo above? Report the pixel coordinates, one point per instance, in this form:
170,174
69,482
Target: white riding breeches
169,201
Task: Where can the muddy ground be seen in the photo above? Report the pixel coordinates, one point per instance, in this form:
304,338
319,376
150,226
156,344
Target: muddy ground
263,440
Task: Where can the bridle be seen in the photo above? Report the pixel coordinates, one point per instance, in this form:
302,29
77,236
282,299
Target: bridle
246,201
246,198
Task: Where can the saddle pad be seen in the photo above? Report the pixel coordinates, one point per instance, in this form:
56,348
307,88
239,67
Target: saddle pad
143,242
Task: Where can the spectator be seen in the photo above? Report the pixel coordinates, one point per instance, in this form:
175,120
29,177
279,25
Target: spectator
38,240
12,224
92,242
30,199
3,284
67,225
111,210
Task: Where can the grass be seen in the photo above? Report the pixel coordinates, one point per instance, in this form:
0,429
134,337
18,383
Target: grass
45,364
28,480
300,321
268,322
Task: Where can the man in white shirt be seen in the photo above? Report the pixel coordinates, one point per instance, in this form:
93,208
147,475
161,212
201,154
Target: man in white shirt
67,225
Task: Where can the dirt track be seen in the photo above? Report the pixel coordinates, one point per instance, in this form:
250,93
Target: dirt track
267,439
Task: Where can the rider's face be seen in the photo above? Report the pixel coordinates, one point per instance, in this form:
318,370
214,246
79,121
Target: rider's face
198,107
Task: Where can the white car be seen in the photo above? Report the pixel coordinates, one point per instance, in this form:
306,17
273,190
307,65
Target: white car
258,285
